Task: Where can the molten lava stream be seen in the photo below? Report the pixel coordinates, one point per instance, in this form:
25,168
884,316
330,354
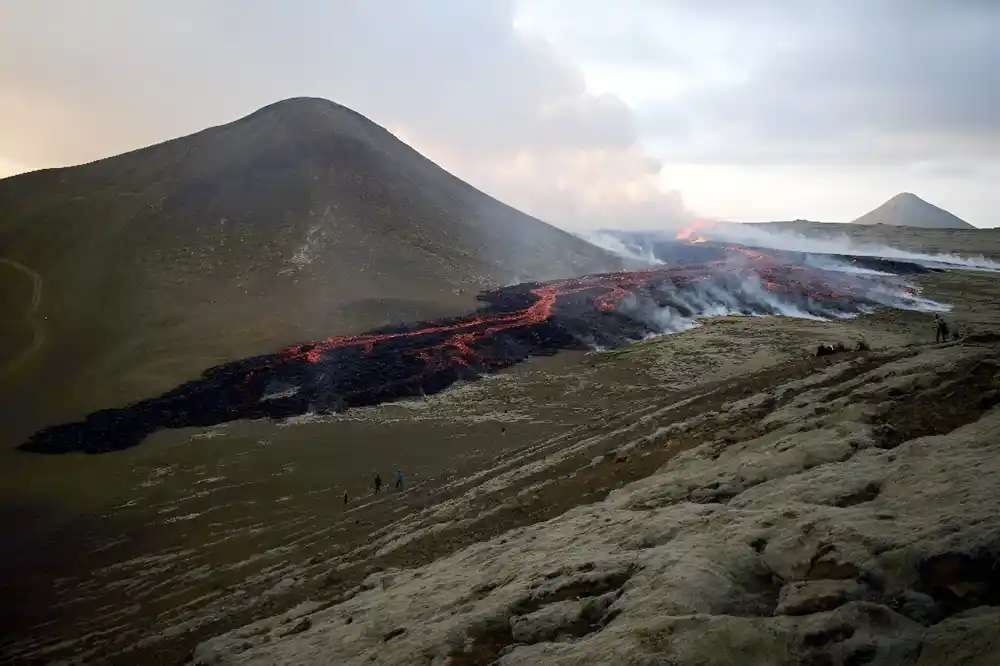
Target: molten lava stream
519,322
535,313
462,336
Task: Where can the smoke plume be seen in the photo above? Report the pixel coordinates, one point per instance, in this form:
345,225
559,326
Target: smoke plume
641,246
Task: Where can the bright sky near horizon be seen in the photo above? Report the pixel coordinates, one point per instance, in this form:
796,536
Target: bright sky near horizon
638,113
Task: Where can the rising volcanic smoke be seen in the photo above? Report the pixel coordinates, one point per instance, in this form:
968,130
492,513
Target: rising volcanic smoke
656,247
704,279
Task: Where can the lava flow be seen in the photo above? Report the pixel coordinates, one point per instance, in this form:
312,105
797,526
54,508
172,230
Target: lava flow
517,322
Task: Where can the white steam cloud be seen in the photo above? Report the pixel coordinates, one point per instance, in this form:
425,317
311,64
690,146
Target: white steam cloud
739,287
637,246
638,253
747,295
841,244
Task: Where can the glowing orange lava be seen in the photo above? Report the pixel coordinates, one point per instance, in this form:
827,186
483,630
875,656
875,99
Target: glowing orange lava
608,291
480,326
687,232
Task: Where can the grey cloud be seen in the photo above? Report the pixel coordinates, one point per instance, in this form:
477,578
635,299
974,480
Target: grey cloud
850,82
611,37
812,82
452,75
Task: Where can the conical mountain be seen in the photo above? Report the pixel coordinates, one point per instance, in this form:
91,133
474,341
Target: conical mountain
909,210
301,220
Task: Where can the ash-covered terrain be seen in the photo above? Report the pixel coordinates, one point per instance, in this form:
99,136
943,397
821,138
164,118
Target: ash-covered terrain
832,514
805,508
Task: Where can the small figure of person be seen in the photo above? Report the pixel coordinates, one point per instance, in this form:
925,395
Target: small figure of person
345,498
399,479
941,335
378,483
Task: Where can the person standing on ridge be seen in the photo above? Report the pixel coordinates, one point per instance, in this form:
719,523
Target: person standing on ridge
345,498
941,335
378,483
399,479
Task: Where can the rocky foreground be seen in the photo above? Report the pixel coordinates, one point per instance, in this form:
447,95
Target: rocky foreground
849,515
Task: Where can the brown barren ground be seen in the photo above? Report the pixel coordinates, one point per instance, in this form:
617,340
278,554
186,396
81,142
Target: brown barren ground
137,556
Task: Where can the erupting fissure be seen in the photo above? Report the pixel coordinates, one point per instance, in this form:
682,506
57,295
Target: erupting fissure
517,322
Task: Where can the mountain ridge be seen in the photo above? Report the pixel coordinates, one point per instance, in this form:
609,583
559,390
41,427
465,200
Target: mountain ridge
300,220
908,210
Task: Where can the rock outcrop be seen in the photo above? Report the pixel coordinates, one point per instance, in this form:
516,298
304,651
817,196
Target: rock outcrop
820,539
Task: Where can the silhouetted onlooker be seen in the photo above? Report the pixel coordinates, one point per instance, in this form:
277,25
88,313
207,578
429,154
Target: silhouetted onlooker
942,329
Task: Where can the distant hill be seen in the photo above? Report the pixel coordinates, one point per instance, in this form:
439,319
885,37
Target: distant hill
301,220
909,210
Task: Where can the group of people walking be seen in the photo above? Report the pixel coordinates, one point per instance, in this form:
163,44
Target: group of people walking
399,481
377,483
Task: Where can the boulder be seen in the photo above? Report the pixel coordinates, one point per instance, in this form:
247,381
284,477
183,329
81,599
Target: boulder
814,596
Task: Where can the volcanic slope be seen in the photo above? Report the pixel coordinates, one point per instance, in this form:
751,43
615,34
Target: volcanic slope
300,219
909,210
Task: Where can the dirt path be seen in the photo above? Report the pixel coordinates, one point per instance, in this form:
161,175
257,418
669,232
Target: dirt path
30,316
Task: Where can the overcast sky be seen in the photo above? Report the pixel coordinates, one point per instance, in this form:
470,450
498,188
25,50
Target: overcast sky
635,113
